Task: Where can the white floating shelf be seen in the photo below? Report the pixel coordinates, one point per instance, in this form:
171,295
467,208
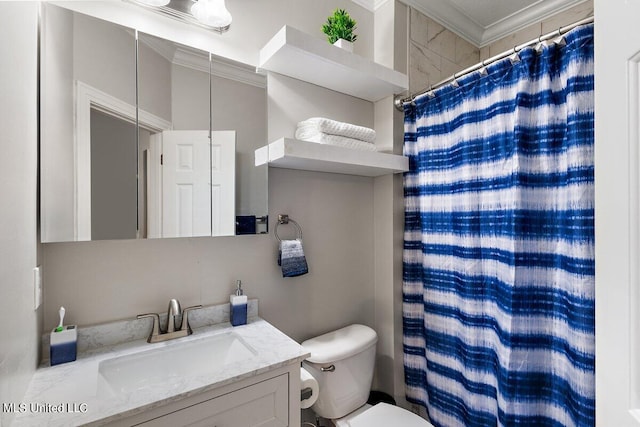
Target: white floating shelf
294,154
299,55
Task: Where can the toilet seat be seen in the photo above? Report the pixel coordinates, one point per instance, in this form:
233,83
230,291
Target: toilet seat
382,415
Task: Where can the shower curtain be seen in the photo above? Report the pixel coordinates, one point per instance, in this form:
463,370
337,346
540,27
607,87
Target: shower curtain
498,292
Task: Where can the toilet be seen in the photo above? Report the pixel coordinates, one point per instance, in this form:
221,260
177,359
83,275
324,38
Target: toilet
342,363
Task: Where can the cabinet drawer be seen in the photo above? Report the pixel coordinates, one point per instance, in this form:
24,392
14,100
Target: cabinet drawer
263,404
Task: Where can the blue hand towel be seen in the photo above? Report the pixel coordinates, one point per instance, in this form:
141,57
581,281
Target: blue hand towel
291,258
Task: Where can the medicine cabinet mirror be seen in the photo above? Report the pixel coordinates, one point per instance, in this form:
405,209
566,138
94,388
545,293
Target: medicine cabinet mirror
164,152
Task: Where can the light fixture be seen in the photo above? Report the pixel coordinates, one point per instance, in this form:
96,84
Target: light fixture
209,14
212,13
154,3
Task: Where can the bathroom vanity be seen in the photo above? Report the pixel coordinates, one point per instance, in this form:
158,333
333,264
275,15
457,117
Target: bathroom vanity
220,375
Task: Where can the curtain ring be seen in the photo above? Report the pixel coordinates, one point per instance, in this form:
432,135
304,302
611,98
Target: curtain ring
559,39
515,56
538,47
483,69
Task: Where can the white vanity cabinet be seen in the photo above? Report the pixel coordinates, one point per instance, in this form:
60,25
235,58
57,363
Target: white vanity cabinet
261,404
266,400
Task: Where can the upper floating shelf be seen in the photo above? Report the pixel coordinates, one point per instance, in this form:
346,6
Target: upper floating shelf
296,54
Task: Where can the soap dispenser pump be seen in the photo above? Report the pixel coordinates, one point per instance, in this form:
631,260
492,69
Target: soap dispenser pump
238,309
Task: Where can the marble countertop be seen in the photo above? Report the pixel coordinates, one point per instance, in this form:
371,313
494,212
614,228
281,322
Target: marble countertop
69,393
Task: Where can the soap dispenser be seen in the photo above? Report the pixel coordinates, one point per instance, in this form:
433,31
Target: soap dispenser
238,309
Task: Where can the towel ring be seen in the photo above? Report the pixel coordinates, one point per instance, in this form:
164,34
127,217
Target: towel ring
284,219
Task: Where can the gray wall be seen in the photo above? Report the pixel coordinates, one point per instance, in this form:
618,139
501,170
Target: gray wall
243,108
113,178
189,98
388,210
19,336
104,56
154,80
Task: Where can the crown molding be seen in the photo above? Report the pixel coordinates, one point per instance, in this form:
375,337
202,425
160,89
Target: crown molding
193,60
198,60
238,72
220,67
451,18
519,20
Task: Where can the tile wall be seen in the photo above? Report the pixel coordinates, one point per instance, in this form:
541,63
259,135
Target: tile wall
436,53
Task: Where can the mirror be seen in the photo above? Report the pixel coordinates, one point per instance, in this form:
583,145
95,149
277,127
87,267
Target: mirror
185,170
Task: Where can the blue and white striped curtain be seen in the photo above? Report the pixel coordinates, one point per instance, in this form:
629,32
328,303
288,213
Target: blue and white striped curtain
498,291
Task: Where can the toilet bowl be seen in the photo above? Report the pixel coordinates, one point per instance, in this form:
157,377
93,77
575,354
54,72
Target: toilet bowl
382,414
342,363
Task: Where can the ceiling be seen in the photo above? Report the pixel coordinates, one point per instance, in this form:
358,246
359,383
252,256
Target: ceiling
484,21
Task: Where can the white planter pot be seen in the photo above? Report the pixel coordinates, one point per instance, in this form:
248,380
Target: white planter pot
344,44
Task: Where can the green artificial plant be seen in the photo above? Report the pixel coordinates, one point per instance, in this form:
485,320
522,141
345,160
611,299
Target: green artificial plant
340,26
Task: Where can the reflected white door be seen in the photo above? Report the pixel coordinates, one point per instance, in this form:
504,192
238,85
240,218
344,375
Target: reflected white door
617,79
223,183
194,197
185,177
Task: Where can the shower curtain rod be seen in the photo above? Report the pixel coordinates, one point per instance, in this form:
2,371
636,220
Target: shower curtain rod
401,100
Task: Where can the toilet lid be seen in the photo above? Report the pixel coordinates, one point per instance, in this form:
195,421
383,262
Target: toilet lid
384,415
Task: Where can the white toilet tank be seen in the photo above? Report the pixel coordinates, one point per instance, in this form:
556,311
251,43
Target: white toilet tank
342,362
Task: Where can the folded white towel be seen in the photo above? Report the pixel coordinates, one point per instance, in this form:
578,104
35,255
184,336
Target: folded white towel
332,127
340,141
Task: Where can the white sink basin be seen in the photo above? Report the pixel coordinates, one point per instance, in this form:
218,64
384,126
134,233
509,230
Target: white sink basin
167,365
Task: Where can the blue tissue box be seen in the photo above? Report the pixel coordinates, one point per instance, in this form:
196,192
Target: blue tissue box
63,345
246,224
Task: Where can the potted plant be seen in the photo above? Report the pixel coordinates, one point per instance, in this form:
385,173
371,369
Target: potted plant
339,29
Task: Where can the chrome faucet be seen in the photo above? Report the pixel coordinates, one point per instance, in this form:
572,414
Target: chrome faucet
173,311
172,330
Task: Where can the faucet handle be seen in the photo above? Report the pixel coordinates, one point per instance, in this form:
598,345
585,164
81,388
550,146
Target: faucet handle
185,318
155,331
